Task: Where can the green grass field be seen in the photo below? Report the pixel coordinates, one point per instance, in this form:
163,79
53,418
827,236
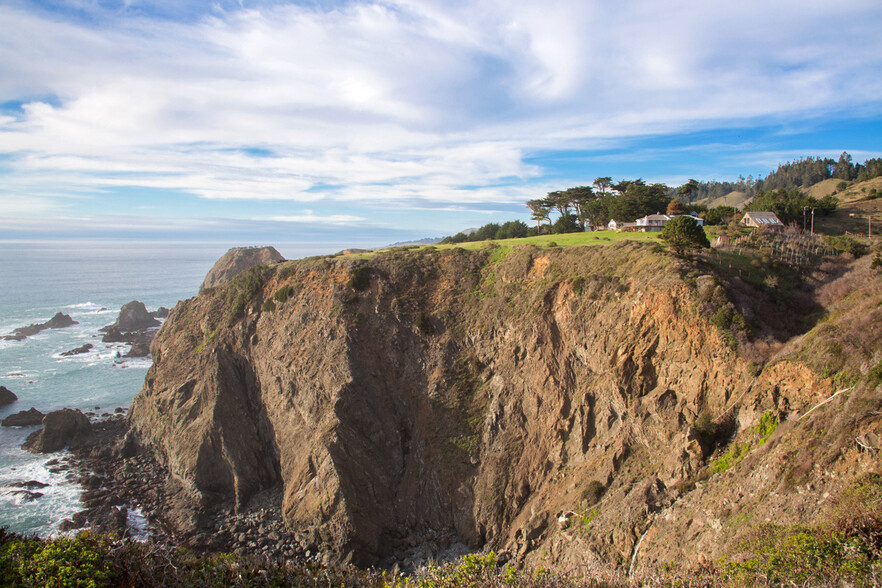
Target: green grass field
544,241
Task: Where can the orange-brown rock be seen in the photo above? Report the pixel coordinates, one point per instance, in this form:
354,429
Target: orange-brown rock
541,402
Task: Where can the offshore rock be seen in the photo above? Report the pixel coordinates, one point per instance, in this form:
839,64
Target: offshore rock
134,326
59,321
237,260
78,350
25,418
61,428
7,397
133,316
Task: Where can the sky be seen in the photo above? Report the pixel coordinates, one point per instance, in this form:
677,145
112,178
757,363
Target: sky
370,122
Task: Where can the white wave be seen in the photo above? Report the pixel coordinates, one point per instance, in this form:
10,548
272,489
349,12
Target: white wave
42,515
137,524
86,306
135,362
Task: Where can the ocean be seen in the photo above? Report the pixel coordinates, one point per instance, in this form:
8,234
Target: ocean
90,282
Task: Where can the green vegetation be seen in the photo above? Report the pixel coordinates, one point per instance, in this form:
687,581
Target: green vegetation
283,293
843,550
593,492
847,244
792,205
241,290
757,437
874,377
491,231
683,234
360,279
80,562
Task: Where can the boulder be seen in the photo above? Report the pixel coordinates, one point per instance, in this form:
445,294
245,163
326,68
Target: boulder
6,396
25,418
237,260
61,428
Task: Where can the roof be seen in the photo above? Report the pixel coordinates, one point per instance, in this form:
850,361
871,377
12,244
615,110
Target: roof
763,217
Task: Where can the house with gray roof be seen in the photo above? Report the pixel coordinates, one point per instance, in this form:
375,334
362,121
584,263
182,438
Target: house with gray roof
761,219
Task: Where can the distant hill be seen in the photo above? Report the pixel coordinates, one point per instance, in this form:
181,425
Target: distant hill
426,241
736,198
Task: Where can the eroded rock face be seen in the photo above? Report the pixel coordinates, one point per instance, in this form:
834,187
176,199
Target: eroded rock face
237,260
423,402
544,403
61,428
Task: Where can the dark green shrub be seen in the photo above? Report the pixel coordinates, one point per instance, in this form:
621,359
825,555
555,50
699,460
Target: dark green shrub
242,288
593,492
424,323
875,376
847,244
283,293
268,305
360,278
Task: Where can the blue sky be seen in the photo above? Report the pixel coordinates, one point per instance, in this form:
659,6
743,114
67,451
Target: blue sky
366,123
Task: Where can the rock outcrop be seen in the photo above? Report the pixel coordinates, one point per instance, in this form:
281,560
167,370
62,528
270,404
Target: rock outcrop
236,261
59,321
547,403
24,418
135,326
85,348
133,316
61,428
7,397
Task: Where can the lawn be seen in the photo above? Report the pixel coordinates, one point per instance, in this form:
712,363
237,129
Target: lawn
545,241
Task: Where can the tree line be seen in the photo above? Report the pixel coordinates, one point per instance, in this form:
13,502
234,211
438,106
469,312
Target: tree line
580,207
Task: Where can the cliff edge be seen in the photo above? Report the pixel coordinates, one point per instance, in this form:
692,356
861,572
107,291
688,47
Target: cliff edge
562,405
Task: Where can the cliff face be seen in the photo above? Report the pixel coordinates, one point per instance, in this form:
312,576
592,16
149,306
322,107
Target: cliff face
492,396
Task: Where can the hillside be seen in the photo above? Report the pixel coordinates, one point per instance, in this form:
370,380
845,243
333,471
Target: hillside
857,201
562,406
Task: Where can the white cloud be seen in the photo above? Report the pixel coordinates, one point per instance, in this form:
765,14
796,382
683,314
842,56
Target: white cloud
403,99
332,219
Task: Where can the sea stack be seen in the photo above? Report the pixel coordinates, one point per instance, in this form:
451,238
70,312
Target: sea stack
237,260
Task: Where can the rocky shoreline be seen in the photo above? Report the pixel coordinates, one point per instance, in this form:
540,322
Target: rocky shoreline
120,480
123,482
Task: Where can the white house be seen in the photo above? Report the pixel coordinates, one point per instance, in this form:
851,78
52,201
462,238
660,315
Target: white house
653,223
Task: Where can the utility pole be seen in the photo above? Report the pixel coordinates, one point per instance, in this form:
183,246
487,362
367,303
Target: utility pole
813,222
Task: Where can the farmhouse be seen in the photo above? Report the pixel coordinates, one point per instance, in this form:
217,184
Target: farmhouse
761,219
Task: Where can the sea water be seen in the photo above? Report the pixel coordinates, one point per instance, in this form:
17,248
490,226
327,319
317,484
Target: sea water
90,282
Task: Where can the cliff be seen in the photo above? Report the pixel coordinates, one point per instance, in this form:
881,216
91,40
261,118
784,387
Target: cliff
556,404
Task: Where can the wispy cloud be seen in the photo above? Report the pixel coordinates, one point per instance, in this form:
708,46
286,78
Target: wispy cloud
396,100
309,217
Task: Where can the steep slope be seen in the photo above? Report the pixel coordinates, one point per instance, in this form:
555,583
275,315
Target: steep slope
490,397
